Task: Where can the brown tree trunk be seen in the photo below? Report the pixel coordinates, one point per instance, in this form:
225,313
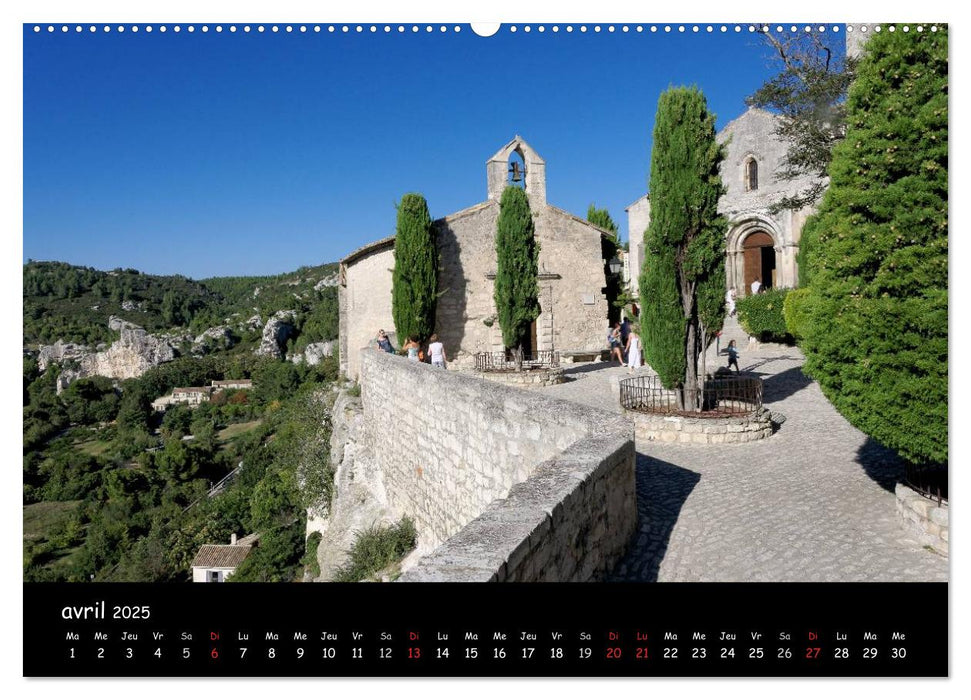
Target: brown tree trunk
690,388
691,368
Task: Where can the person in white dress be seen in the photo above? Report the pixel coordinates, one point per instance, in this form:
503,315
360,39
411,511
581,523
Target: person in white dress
633,351
756,285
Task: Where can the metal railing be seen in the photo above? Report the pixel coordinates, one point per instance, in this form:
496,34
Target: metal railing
730,396
506,361
929,481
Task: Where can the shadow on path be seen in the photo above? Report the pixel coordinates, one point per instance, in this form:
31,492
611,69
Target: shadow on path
776,387
588,367
662,489
881,464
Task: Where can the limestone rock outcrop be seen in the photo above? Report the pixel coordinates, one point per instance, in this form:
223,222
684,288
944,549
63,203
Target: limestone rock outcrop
277,330
59,353
219,337
315,352
134,353
326,282
359,500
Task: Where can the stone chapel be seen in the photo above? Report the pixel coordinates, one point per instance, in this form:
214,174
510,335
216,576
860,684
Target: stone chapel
572,275
757,243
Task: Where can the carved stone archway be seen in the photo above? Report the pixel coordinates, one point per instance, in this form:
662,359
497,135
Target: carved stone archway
753,249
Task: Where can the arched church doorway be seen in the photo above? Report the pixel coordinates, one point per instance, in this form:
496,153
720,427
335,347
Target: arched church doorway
759,255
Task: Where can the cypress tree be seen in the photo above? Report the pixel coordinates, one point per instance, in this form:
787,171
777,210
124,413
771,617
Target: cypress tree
517,267
874,317
414,282
683,280
609,249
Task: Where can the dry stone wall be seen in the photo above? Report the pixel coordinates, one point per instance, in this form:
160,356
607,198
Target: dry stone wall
502,484
928,520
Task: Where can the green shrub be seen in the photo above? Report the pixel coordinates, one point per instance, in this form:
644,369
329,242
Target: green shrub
762,315
377,548
310,563
794,311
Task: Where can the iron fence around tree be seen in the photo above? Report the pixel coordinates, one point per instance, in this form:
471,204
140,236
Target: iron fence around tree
720,397
930,481
506,361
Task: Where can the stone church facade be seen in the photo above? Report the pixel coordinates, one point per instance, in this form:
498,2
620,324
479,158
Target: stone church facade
573,316
758,244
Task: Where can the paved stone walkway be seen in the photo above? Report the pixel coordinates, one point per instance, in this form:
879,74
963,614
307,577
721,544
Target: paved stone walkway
814,502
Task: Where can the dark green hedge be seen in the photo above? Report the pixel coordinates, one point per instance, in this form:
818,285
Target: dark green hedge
762,315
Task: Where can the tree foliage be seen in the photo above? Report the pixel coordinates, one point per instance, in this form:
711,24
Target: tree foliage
875,317
609,249
602,219
683,281
414,282
808,95
517,268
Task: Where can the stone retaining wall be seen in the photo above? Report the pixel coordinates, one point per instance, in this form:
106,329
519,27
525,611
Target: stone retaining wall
502,484
704,431
533,378
925,518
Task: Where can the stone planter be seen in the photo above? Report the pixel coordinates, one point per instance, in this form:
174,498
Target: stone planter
547,376
924,518
701,431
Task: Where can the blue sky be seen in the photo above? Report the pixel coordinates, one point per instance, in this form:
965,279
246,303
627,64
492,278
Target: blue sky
233,154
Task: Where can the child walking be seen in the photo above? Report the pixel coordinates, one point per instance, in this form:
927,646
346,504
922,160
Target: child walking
732,356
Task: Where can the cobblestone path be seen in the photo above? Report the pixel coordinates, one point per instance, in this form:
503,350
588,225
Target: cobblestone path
814,502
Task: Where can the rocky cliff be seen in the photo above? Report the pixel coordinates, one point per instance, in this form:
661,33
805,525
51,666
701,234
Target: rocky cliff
315,352
279,327
135,352
359,499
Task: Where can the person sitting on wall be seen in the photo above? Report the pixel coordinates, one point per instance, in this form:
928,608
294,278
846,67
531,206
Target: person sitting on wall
384,343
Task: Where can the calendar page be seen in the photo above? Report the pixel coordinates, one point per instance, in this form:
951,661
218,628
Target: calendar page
370,349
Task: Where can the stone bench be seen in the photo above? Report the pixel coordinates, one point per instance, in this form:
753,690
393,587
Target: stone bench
572,356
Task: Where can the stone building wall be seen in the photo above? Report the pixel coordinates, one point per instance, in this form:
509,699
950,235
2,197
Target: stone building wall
638,219
751,136
573,315
365,303
467,250
449,445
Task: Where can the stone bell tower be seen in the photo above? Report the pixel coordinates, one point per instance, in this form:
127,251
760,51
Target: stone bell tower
498,169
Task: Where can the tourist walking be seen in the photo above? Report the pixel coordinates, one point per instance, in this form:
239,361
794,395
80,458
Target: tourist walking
633,351
436,351
384,343
616,349
730,301
756,285
411,347
732,356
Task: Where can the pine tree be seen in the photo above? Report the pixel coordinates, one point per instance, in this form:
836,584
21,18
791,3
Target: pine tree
601,218
414,282
517,264
683,281
875,315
